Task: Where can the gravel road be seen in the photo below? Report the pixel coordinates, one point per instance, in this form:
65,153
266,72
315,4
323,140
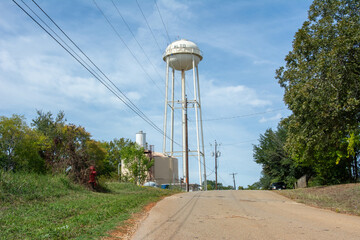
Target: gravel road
243,215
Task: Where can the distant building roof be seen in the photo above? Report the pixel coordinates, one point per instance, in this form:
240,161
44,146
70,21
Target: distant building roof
158,154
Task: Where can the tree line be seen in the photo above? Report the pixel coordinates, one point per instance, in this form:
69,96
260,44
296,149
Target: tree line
321,82
51,145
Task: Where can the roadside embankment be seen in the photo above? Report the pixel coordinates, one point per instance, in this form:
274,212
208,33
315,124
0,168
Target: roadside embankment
51,207
344,198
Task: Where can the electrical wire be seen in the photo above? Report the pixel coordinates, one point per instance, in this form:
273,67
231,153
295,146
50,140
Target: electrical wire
123,41
129,102
162,20
241,116
142,49
238,143
119,94
147,23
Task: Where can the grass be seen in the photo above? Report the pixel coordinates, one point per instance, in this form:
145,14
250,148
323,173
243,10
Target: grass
51,207
339,198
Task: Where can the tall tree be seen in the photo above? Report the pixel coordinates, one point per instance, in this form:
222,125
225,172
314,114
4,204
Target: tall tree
322,87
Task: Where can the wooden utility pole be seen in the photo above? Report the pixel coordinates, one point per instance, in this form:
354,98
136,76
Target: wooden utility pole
216,154
186,148
215,165
234,179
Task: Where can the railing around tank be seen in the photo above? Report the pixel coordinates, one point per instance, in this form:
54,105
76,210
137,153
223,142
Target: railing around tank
183,50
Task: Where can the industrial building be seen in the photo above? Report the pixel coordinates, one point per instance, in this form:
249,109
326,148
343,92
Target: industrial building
165,168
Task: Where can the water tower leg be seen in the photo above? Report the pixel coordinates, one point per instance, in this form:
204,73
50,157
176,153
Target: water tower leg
166,103
201,128
183,96
172,112
197,123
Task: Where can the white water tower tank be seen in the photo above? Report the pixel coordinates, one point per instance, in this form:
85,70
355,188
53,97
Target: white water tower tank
181,54
141,139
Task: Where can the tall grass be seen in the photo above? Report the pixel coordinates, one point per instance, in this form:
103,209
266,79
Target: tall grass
23,187
51,207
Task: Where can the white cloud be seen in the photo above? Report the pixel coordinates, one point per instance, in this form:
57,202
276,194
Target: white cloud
6,62
277,117
232,96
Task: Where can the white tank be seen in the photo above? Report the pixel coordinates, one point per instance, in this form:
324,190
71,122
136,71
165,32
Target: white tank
141,139
181,54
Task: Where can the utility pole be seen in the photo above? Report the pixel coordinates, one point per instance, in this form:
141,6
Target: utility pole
234,179
215,166
186,148
216,154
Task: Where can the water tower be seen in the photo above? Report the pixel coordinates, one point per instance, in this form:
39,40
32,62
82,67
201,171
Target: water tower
184,55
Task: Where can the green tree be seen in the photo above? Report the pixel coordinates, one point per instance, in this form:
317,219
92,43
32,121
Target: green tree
98,157
20,146
322,87
211,185
136,162
69,147
254,186
28,150
12,132
276,163
52,128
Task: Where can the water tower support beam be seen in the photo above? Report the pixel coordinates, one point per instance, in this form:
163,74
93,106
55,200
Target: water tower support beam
201,129
172,112
166,103
197,122
184,106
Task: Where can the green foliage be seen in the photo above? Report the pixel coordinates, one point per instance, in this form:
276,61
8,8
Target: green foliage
211,185
136,162
20,146
12,131
220,186
254,186
53,145
322,89
276,163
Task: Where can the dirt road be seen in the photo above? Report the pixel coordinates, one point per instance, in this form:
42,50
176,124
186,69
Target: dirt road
243,215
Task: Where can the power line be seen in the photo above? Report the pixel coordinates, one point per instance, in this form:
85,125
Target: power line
123,41
133,106
121,97
72,50
142,49
167,33
231,144
241,116
147,23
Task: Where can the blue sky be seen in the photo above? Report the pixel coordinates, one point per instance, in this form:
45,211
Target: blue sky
243,43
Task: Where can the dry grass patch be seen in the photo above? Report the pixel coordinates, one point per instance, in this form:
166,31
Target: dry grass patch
343,198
